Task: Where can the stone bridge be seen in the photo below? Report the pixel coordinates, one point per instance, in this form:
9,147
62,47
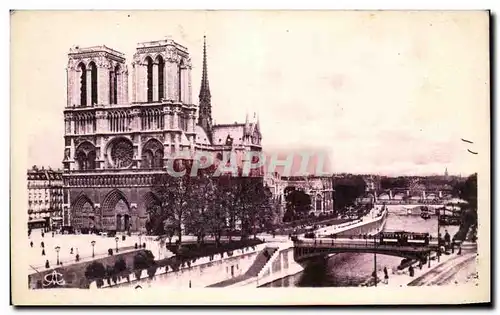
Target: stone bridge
307,249
409,196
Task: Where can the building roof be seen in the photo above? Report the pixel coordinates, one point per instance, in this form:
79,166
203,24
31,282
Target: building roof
44,174
228,134
201,136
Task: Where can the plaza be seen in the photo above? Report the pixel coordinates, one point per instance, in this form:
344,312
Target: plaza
81,244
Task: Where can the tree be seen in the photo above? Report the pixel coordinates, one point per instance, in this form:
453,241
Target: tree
394,182
203,203
155,222
95,270
143,260
347,190
120,265
298,204
257,210
177,197
467,191
218,208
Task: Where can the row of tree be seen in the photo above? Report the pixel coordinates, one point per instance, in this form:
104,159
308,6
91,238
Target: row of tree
206,205
347,190
469,220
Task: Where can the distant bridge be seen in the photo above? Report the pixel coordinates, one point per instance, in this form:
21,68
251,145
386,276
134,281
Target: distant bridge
410,196
304,249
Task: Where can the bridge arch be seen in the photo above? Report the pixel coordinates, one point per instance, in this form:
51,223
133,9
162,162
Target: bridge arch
384,196
400,196
306,252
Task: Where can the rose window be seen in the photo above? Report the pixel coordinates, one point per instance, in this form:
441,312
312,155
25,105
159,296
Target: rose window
122,153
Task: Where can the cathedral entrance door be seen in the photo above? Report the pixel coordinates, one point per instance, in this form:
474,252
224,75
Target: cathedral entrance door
118,222
126,222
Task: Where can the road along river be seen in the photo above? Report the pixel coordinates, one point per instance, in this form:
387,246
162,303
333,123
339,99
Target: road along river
352,269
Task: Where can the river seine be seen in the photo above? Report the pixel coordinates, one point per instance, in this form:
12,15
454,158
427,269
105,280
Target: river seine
349,269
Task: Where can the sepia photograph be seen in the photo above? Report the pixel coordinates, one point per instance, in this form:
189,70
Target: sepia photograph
250,157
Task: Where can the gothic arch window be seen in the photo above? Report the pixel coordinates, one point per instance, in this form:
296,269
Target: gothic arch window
149,65
115,84
147,159
161,77
319,203
179,83
85,156
83,84
80,160
152,154
93,79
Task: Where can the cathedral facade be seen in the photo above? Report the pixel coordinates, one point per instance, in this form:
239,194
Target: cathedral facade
115,147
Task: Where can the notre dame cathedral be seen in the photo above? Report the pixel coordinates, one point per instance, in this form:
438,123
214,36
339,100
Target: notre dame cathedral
114,147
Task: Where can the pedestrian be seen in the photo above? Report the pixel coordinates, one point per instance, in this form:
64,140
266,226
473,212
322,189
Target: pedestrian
43,234
42,245
53,233
386,276
411,271
31,243
43,252
71,251
47,265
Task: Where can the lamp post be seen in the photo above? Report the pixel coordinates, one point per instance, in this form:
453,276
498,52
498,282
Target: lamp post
116,240
57,251
438,236
93,244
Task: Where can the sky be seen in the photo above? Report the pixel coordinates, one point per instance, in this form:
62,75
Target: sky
389,93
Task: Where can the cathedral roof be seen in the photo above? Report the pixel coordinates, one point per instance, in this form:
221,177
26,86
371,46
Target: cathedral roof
233,133
201,136
184,140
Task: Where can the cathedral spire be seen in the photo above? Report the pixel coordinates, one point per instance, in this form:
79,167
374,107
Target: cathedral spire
205,108
205,87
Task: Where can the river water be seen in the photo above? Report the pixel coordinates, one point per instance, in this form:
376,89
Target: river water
352,269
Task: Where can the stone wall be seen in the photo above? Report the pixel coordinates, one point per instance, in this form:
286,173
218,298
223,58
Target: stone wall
202,273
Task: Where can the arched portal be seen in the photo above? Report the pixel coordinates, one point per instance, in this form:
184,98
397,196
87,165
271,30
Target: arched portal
83,213
116,212
151,204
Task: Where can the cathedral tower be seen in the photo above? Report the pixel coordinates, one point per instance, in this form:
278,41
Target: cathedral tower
96,76
205,109
162,71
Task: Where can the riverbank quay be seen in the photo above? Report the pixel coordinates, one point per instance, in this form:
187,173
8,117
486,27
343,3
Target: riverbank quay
435,273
